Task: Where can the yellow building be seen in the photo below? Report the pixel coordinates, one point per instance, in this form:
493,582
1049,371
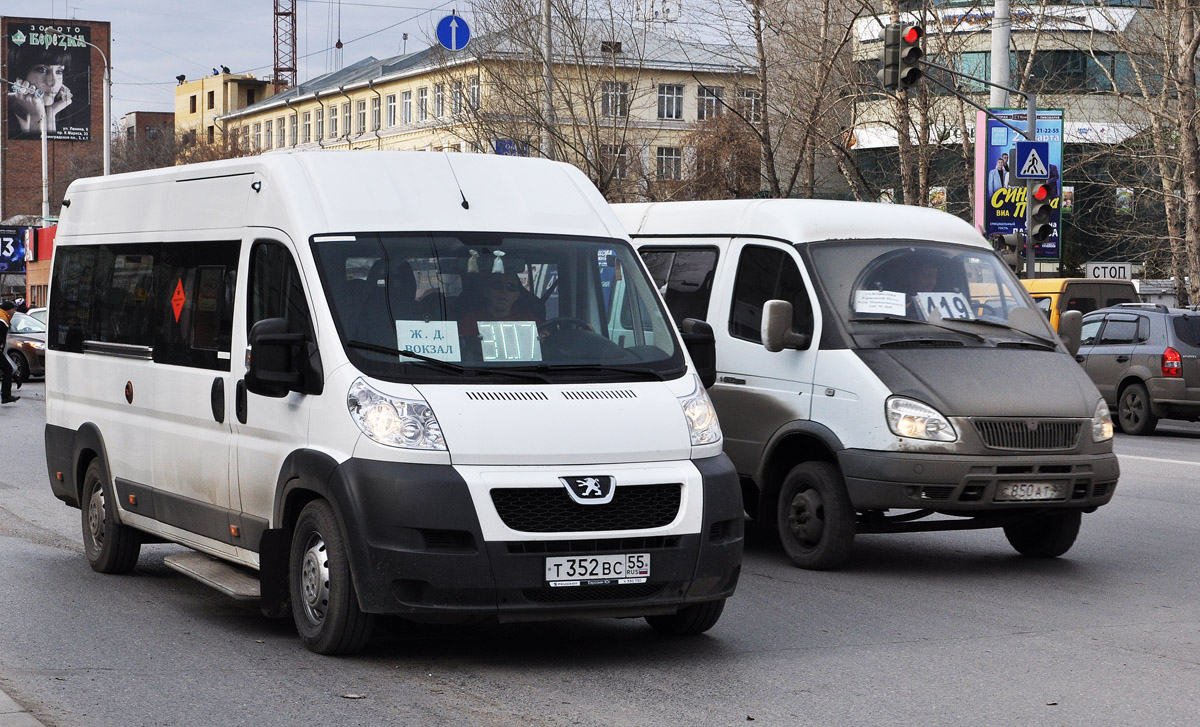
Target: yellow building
200,103
628,120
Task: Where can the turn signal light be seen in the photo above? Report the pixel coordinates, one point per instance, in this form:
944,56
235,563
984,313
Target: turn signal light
1172,364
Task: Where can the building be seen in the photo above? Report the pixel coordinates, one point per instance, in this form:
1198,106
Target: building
624,117
199,104
146,126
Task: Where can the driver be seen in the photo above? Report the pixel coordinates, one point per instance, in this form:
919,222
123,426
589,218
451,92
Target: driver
502,298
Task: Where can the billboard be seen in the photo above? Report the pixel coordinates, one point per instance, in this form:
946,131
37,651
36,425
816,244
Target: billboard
48,71
12,249
999,195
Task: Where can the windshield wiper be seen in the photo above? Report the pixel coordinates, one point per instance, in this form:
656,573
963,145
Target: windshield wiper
997,324
600,368
450,366
900,319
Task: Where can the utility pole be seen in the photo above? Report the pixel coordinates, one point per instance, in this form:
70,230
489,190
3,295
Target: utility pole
1001,36
548,83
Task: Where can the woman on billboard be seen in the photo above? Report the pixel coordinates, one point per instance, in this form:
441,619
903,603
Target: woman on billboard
38,89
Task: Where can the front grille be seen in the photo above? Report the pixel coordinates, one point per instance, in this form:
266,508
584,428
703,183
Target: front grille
574,594
936,493
1030,435
551,509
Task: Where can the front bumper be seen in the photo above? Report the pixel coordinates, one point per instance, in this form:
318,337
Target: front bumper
968,484
417,550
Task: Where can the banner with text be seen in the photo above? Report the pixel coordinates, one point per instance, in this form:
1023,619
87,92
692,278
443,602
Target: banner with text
48,71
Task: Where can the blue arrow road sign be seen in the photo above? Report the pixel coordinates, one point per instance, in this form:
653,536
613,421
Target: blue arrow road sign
1033,160
453,33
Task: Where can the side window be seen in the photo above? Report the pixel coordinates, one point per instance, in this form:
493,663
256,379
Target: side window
1083,305
196,285
73,289
1118,332
685,278
766,274
1090,329
275,288
1187,329
1143,331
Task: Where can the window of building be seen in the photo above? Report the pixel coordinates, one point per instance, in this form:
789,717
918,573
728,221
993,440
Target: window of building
251,96
750,104
422,104
670,164
246,135
406,107
333,117
258,137
191,105
439,100
211,99
391,110
708,102
375,114
319,122
268,126
306,132
361,108
473,93
614,99
670,101
293,124
211,135
615,160
456,98
282,140
346,118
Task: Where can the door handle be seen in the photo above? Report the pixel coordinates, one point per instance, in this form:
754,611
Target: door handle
732,380
218,400
1122,359
239,401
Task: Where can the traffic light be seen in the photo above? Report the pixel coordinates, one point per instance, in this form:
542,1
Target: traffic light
909,64
889,58
1011,248
1040,212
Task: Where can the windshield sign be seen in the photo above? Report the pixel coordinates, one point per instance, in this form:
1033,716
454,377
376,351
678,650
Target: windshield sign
415,306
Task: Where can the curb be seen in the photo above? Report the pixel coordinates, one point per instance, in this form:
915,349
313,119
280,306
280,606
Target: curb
14,715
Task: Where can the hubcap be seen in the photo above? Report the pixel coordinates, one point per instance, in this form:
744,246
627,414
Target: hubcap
805,517
1132,407
314,580
96,519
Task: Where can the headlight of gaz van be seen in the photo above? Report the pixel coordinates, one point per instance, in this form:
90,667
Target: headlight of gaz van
911,418
407,423
1102,426
700,415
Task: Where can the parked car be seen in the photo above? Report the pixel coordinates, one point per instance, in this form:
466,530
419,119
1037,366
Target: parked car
26,345
1143,359
38,313
1056,295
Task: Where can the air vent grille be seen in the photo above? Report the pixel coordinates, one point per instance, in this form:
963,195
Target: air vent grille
599,394
507,396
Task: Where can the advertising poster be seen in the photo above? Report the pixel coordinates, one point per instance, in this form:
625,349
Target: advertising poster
12,249
47,69
999,195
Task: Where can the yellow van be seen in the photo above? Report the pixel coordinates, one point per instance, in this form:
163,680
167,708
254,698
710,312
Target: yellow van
1056,295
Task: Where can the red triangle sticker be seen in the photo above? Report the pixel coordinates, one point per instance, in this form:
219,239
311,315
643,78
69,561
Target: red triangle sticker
178,299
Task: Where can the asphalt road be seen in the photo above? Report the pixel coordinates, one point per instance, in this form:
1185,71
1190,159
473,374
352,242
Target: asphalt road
921,629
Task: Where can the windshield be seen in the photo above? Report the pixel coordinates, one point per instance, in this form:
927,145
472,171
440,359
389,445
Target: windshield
874,285
513,308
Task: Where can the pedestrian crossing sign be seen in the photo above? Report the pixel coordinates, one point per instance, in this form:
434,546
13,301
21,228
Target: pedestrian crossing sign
1033,160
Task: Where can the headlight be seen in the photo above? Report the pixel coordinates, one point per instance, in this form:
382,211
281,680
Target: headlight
911,418
36,346
1102,426
407,423
700,415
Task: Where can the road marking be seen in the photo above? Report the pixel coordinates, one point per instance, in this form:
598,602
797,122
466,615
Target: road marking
1156,459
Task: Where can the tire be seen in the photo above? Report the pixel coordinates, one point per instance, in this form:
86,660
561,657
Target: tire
690,620
1045,536
1133,410
815,520
20,365
324,601
110,547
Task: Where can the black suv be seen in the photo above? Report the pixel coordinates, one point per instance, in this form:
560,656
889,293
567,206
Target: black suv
1143,358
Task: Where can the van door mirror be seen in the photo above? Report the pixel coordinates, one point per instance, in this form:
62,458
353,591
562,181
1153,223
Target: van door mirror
777,331
280,361
1070,330
702,346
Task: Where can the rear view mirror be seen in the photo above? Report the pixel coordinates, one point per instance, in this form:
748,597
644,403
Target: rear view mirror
1070,330
777,331
702,346
279,361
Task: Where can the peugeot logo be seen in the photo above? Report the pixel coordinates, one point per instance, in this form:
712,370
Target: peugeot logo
590,489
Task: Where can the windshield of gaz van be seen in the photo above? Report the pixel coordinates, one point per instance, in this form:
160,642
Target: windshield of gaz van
523,308
875,285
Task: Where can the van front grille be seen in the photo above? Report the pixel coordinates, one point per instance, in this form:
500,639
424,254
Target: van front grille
575,594
551,509
1029,435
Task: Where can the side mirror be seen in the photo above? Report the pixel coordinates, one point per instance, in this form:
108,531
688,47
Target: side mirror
702,346
279,361
777,331
1070,330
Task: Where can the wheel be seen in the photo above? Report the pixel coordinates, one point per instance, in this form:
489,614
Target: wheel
1045,536
1133,410
690,620
20,365
324,602
815,519
110,547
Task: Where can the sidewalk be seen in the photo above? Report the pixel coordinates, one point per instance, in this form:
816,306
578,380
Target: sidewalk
12,715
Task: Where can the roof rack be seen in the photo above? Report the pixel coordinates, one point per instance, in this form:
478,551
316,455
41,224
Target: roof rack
1144,306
